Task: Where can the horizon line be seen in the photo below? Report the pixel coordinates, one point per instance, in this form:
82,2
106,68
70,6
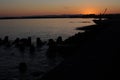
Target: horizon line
57,15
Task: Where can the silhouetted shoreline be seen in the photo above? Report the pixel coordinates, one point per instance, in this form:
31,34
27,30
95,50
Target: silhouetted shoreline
62,16
87,56
90,56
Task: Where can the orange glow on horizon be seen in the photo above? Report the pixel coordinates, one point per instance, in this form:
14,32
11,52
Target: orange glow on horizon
57,7
90,11
76,10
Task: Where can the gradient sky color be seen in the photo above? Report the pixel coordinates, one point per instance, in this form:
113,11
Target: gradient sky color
46,7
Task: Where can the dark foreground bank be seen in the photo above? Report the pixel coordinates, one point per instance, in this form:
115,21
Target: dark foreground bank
92,55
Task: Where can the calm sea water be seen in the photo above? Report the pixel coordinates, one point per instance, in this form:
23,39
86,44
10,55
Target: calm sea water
38,63
43,28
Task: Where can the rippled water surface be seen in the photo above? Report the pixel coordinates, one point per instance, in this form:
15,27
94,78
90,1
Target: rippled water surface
44,28
38,63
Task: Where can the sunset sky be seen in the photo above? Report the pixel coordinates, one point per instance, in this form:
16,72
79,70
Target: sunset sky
46,7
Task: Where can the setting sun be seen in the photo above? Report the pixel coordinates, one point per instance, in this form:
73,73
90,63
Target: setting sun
89,11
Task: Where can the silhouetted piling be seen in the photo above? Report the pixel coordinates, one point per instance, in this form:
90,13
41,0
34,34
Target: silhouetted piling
24,42
22,67
52,48
16,42
52,44
59,40
29,41
5,40
22,48
0,41
32,49
8,45
39,43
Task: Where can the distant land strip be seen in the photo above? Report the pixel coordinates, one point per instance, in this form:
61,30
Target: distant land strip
64,16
